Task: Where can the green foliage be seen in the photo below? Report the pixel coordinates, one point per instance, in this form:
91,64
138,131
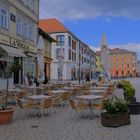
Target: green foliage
2,106
115,105
129,91
15,67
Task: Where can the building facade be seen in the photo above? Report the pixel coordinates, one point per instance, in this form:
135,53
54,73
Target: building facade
123,63
18,33
76,54
98,62
47,52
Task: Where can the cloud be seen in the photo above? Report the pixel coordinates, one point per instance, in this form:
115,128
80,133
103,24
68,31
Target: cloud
94,48
89,9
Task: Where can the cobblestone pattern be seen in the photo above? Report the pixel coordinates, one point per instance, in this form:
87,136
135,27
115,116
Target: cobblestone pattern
67,125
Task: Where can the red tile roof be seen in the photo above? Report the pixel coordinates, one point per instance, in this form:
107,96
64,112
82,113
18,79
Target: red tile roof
52,25
120,51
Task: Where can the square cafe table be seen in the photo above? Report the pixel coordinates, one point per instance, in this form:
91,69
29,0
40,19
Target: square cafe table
38,98
90,99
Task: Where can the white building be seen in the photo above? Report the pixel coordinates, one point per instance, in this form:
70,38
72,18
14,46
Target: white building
77,55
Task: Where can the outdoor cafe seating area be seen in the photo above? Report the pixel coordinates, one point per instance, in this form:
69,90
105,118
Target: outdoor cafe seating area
48,99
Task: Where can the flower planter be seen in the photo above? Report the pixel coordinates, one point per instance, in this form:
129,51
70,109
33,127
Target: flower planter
115,120
134,108
6,116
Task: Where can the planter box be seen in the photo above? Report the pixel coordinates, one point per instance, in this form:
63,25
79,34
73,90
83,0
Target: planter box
115,120
134,108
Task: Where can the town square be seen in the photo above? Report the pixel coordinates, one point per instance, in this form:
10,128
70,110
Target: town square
69,70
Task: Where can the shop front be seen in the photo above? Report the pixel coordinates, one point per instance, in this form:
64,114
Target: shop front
28,62
8,55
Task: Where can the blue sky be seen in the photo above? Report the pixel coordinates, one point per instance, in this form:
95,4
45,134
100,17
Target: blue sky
88,19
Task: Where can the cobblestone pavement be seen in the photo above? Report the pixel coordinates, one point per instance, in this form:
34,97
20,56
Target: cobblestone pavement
64,124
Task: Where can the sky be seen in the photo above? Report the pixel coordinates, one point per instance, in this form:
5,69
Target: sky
89,19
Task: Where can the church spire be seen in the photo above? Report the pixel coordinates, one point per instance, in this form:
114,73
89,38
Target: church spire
103,40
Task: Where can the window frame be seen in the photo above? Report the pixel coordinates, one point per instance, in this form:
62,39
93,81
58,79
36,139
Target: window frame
21,30
6,18
61,41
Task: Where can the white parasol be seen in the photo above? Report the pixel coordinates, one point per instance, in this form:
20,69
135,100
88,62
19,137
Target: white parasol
60,63
40,59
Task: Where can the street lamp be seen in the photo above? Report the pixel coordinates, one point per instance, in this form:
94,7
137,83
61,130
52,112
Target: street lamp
79,66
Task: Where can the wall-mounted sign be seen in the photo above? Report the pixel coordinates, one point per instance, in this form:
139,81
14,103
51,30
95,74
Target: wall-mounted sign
22,45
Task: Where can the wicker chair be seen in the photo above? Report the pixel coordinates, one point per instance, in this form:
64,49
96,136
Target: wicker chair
78,106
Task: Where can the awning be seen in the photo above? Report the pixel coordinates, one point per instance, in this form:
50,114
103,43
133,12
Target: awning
11,51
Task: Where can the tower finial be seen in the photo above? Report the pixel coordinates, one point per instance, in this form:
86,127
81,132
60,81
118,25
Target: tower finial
103,40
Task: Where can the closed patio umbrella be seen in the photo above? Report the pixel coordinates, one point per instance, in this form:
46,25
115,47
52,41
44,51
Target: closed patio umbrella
60,63
40,59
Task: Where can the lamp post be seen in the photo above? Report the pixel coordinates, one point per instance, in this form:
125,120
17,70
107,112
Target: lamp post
79,67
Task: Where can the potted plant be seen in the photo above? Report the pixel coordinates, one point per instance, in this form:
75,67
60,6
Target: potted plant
129,91
116,113
6,113
129,95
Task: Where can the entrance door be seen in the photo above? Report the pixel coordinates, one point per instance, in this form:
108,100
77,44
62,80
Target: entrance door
16,73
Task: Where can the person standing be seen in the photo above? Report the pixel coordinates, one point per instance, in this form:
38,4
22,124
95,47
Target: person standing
87,78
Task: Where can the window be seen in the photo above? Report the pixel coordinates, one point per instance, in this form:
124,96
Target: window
116,58
122,65
25,29
128,65
74,56
134,58
3,18
69,41
122,58
73,45
31,32
60,40
19,25
69,54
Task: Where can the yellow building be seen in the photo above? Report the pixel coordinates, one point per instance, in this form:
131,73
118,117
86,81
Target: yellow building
98,62
47,52
18,34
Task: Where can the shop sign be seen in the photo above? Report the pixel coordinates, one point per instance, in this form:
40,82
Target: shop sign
23,46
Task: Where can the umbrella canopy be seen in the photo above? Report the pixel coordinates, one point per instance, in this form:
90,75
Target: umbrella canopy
40,58
60,63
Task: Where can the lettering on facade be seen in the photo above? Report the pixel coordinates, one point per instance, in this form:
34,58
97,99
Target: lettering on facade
22,45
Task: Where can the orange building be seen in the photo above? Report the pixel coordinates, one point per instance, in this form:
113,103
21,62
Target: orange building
123,63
